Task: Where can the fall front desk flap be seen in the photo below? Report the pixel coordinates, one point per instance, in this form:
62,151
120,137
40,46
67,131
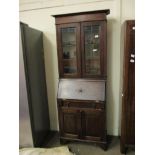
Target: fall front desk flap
81,89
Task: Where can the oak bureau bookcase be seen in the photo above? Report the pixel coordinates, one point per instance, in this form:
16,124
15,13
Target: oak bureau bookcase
82,62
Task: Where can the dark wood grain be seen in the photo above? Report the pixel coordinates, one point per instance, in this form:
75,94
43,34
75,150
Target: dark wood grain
102,49
60,50
79,119
107,11
128,100
79,21
81,16
83,120
94,124
71,122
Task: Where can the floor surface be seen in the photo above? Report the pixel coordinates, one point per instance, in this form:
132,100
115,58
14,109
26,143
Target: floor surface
90,149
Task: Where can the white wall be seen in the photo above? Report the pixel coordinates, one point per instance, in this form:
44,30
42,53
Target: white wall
41,19
128,10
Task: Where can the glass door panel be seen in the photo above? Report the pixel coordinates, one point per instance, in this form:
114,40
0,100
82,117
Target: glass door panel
69,53
69,50
92,49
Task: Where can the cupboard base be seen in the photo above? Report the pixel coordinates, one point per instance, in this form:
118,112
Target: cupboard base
102,144
124,147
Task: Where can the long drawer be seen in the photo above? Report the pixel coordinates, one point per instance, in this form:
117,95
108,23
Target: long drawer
82,104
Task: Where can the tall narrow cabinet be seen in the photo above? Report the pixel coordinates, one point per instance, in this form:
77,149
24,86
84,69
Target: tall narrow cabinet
128,94
82,62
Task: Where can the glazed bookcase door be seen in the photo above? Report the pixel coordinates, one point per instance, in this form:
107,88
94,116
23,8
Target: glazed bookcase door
68,40
93,40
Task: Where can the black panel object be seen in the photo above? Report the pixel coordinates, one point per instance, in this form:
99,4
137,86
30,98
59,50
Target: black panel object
32,42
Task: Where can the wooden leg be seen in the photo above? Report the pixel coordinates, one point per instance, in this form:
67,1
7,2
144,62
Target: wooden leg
104,146
123,149
62,141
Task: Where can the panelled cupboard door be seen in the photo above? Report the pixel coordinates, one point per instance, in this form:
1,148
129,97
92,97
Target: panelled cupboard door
70,122
93,124
68,40
93,44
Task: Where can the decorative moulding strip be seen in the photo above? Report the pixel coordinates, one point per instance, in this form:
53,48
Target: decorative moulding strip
58,1
69,2
22,2
26,5
40,5
30,6
52,3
